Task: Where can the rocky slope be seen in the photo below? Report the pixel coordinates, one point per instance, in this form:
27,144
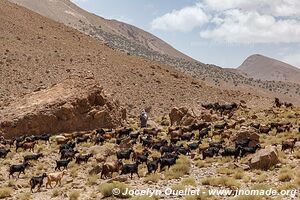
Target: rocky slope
134,41
68,13
37,52
264,68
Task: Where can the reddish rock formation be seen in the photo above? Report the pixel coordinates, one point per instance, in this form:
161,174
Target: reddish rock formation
65,107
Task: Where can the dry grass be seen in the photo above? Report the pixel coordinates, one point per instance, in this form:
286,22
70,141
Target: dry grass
261,178
24,196
181,168
201,163
74,195
225,170
92,179
154,178
189,182
106,189
5,192
285,175
56,192
220,181
297,154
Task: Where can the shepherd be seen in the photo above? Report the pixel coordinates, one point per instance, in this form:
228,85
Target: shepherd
143,119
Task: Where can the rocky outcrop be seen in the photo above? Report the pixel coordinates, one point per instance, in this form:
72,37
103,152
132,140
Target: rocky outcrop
65,107
264,159
247,133
181,116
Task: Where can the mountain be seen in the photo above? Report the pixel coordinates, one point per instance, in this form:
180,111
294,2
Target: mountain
68,13
265,68
133,41
37,53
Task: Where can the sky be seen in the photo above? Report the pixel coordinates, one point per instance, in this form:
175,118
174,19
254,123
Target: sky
220,32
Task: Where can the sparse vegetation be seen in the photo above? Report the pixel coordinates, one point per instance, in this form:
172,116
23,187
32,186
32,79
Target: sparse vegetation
74,195
5,192
106,189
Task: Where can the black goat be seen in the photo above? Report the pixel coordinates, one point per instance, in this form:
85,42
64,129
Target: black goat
82,139
18,168
33,157
167,162
124,154
246,150
242,142
69,146
187,136
62,163
153,165
68,153
232,152
131,168
166,149
217,144
195,145
203,133
183,150
99,140
159,144
4,152
44,137
220,126
143,158
37,180
210,152
83,158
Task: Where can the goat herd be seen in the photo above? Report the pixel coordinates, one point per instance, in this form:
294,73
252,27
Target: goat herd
169,147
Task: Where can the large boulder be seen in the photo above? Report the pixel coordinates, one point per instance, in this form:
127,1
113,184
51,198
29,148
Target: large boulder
66,107
181,116
264,159
177,114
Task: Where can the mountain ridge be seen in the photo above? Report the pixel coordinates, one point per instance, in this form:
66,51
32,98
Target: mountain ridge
265,68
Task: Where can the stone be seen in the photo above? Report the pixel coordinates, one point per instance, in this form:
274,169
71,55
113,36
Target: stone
65,107
264,159
96,170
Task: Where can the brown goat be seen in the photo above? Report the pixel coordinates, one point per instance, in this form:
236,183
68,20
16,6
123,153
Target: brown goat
151,131
55,177
110,167
61,139
175,133
28,145
289,144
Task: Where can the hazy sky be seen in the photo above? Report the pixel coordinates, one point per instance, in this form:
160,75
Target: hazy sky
221,32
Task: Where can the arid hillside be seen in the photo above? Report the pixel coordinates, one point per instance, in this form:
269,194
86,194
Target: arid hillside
134,41
37,52
68,13
264,68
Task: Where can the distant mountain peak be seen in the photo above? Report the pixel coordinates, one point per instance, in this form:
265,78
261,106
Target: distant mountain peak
262,67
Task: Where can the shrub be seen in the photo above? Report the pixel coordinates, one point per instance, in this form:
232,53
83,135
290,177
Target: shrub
181,168
106,189
24,196
152,178
285,176
56,193
223,181
92,180
189,181
74,195
5,192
